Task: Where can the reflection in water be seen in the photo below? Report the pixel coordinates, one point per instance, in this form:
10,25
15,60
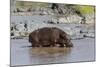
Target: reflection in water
83,50
49,55
49,51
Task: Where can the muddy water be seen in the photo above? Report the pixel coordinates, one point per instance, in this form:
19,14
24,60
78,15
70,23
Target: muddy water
83,50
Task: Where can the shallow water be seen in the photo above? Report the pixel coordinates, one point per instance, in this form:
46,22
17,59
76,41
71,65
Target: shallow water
21,54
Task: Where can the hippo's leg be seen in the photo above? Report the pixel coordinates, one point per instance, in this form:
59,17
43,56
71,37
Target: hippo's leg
57,45
61,45
45,45
33,45
37,45
52,44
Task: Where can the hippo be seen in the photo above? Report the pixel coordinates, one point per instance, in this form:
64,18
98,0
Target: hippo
50,37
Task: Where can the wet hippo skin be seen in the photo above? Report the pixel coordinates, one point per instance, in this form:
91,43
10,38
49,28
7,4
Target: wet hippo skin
49,37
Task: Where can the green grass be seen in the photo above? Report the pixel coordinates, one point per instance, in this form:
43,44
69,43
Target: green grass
86,9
